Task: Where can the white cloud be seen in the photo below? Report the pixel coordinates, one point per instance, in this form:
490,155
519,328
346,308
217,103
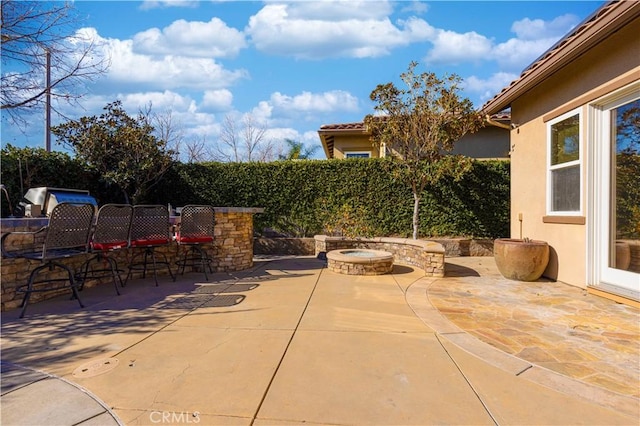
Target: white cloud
417,29
534,37
191,38
276,30
165,72
451,47
487,88
535,29
219,100
415,6
335,100
282,133
516,54
159,101
155,4
331,10
262,112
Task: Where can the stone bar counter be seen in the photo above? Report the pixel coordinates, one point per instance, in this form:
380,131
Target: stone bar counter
232,250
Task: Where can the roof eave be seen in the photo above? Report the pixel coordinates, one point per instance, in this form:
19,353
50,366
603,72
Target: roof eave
601,24
327,152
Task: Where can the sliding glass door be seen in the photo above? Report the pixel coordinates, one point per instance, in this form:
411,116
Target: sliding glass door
618,203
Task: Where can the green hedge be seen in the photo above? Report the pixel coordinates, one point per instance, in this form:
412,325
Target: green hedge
24,168
357,196
300,198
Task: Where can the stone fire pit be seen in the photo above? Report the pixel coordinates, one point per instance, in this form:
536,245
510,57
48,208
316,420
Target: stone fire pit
360,262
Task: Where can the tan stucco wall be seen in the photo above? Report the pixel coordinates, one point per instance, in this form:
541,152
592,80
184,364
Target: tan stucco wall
528,198
353,143
605,63
488,142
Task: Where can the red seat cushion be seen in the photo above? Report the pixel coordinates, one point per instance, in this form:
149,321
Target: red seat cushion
194,239
109,246
147,243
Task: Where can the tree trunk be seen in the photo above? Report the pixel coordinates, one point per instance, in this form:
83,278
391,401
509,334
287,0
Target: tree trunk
416,208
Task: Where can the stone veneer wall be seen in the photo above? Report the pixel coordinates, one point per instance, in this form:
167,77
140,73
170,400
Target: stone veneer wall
232,250
426,255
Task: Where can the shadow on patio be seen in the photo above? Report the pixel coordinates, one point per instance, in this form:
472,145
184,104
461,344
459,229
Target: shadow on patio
289,342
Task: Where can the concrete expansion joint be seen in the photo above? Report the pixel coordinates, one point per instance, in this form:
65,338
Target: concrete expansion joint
294,331
450,333
524,370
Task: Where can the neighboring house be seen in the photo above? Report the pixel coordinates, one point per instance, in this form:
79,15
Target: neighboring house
575,143
351,140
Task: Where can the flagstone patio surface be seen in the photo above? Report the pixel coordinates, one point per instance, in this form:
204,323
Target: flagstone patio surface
289,342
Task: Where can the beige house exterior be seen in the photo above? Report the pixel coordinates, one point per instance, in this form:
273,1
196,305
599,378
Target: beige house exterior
569,110
348,140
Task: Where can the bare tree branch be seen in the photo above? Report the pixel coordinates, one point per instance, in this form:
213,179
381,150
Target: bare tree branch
252,135
229,151
165,127
247,143
195,150
29,30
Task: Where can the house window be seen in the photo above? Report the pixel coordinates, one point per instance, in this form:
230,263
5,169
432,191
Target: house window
359,154
564,165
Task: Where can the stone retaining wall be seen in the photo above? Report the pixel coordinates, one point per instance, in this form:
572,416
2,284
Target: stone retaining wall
284,246
232,250
426,255
453,247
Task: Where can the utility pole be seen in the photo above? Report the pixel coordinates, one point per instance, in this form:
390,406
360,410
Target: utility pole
47,109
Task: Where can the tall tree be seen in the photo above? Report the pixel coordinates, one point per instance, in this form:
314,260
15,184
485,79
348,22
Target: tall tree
31,31
245,140
298,151
195,150
419,124
121,148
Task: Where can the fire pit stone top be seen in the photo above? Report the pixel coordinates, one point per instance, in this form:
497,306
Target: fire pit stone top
360,261
359,255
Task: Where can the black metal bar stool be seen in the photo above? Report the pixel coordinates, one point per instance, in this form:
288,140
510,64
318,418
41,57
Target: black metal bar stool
67,235
150,229
111,233
195,230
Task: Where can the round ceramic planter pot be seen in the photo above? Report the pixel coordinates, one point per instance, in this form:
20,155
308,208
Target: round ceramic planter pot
623,255
521,260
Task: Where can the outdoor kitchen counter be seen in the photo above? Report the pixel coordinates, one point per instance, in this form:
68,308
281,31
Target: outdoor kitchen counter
232,250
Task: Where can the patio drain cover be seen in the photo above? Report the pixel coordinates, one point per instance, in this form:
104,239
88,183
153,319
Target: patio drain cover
95,367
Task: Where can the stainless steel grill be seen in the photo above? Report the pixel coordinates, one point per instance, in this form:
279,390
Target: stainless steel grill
41,201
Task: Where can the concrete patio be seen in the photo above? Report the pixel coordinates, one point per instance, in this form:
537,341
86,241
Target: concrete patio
289,342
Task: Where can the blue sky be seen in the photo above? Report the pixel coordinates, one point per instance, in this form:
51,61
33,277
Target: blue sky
294,66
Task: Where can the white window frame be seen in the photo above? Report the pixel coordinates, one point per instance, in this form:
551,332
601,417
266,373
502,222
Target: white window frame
358,154
578,162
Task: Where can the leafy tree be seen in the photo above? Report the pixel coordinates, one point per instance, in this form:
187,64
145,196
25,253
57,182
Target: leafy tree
297,151
419,125
31,31
122,149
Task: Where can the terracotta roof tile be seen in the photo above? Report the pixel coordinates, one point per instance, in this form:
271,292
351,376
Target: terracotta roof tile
343,126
